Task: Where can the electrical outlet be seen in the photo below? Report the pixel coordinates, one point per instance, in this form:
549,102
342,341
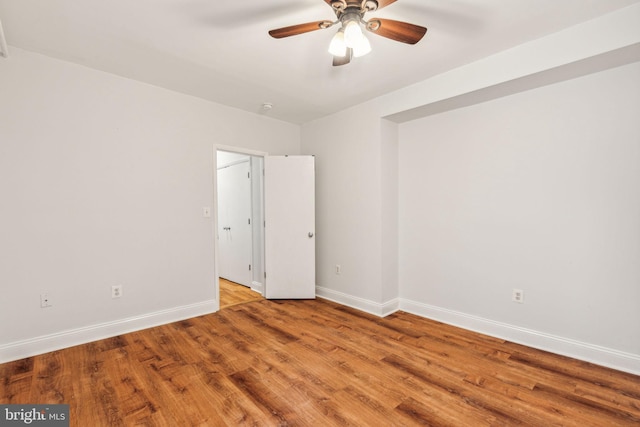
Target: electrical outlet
338,269
44,300
116,291
518,296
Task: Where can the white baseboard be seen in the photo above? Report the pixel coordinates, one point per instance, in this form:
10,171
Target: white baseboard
603,356
257,287
362,304
599,355
60,340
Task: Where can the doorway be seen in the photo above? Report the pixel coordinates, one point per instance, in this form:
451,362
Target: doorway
232,294
282,199
239,230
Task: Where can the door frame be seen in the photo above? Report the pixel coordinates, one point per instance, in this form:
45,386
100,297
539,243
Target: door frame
231,149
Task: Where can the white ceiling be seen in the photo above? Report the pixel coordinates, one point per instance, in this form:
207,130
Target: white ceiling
220,50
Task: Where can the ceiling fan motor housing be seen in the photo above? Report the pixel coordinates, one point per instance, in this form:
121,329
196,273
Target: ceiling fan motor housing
350,15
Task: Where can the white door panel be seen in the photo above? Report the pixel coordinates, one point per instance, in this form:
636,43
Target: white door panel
290,227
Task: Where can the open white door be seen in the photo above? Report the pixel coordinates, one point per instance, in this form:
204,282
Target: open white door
290,252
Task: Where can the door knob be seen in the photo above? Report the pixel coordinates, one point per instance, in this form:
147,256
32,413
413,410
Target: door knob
310,234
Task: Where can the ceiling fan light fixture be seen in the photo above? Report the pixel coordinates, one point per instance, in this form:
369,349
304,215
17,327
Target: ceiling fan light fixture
362,47
352,33
338,47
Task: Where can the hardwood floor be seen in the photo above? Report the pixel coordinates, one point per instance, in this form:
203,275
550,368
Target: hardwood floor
233,294
316,363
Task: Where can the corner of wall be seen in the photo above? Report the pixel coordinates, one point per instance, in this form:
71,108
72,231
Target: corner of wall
362,304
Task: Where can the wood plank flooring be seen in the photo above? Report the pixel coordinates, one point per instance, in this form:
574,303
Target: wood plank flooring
233,294
316,363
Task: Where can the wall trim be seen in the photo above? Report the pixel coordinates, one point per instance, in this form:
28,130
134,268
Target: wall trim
44,344
592,353
599,355
257,287
368,306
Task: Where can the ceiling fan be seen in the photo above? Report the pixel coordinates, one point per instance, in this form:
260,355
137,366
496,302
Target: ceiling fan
349,41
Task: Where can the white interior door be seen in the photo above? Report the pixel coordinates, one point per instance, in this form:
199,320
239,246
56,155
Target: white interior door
290,227
234,227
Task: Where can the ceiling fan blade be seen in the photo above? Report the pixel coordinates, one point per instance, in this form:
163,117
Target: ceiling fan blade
294,30
396,30
343,60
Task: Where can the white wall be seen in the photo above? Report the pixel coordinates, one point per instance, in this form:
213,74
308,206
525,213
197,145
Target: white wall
537,191
103,181
356,207
348,152
389,212
486,187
